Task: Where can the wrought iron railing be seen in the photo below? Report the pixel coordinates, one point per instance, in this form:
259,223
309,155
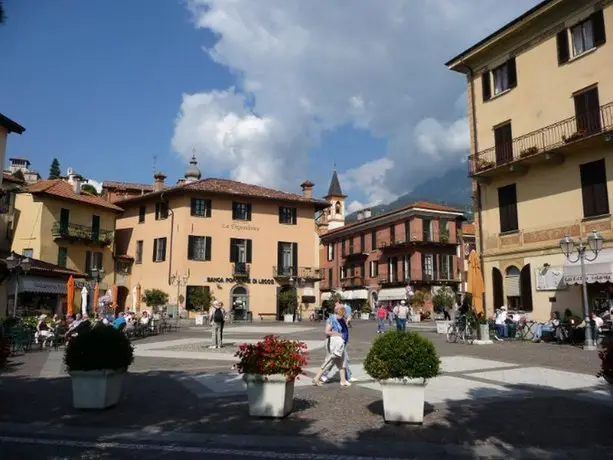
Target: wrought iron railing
284,272
542,140
82,233
310,273
352,281
240,269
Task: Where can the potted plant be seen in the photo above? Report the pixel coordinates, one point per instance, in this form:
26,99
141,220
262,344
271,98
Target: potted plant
606,365
270,368
528,151
365,310
288,301
403,362
442,300
97,360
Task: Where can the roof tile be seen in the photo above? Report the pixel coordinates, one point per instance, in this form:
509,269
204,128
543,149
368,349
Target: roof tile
126,185
62,189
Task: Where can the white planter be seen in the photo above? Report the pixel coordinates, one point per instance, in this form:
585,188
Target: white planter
365,316
442,327
403,400
288,318
416,318
269,396
96,389
200,319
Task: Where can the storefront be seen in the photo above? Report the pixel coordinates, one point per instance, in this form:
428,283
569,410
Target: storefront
599,279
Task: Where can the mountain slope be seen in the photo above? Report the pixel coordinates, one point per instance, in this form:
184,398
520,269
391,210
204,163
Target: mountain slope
452,188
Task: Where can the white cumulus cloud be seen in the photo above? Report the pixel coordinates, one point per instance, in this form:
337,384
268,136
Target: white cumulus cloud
304,67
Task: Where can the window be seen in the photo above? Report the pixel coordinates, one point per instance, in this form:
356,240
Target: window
330,277
241,211
427,229
28,253
95,228
287,258
141,214
587,111
374,269
507,205
199,247
138,259
330,250
159,249
584,36
428,267
373,240
343,273
93,260
392,234
504,78
594,188
503,141
62,257
64,220
446,269
407,231
287,215
344,248
392,269
406,267
161,210
362,243
200,207
240,251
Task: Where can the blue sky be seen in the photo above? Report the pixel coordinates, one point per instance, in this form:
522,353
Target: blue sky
282,93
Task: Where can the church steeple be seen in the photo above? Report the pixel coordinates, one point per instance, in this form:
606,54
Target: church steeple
335,187
336,213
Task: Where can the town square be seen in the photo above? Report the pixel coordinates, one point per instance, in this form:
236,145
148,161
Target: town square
271,229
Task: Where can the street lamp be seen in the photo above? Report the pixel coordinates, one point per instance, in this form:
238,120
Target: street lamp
179,281
568,247
98,273
16,265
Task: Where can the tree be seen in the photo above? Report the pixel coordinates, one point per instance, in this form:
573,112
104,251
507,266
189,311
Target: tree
199,299
19,175
54,169
444,298
288,301
89,188
155,298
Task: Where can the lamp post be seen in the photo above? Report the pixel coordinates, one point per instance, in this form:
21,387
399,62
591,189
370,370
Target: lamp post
98,274
179,281
568,247
295,283
16,266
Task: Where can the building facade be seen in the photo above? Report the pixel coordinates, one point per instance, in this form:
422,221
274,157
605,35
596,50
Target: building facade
114,191
7,126
541,123
244,244
469,243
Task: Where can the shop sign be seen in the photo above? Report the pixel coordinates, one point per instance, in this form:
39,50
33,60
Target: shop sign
241,227
220,279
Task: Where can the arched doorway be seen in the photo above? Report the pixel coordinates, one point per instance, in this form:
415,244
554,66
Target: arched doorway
497,288
239,301
512,287
284,294
122,295
525,287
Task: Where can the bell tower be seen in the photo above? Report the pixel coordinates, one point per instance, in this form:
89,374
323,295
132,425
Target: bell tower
336,213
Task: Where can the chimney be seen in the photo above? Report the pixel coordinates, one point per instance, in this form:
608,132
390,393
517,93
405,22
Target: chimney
360,215
158,184
75,180
307,189
367,213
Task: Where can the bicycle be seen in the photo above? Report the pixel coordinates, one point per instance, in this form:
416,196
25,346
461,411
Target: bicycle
461,329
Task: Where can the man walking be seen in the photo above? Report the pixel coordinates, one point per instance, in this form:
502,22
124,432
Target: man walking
217,320
401,312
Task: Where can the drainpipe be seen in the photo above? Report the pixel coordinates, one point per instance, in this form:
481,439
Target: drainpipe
477,201
172,228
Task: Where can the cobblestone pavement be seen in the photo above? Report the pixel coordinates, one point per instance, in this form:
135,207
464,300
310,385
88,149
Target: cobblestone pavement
501,414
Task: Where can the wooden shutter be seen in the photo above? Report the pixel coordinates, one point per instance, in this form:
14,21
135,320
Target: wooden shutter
594,189
507,204
249,245
512,73
503,143
598,28
563,48
190,247
163,243
486,85
155,248
511,285
279,257
233,250
209,205
248,211
295,258
330,277
207,249
592,103
294,216
88,262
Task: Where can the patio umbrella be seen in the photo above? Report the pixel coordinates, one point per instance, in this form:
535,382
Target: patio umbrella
70,296
84,293
96,296
475,281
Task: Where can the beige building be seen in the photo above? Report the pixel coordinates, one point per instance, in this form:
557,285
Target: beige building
541,116
243,243
469,243
7,126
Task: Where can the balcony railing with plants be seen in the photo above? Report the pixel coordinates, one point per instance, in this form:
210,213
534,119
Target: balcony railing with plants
391,244
82,233
545,139
284,272
352,282
310,273
391,280
241,269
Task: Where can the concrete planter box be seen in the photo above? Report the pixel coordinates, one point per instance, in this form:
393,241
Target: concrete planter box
442,327
269,395
403,400
416,318
200,320
365,316
288,318
96,389
484,332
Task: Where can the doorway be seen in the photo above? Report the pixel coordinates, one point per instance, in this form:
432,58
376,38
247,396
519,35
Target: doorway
122,295
525,288
497,288
239,302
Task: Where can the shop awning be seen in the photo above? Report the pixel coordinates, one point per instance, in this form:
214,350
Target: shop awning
41,285
389,294
358,294
325,296
596,271
347,295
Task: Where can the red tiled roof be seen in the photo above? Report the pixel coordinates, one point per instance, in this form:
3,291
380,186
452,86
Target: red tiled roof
62,189
10,178
417,205
40,266
111,184
468,228
231,187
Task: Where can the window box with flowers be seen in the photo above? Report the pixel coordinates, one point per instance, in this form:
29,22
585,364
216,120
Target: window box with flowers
574,136
528,152
270,368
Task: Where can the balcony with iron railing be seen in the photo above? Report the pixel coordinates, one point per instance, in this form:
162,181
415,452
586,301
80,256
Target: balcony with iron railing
354,281
544,143
240,270
392,280
284,272
310,273
81,233
391,244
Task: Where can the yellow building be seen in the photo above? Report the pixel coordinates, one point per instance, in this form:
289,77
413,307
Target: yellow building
243,243
57,223
540,100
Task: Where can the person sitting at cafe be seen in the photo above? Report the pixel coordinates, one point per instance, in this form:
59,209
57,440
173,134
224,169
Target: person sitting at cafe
500,319
550,326
43,331
596,323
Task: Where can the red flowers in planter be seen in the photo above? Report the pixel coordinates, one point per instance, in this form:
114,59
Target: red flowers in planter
273,356
606,363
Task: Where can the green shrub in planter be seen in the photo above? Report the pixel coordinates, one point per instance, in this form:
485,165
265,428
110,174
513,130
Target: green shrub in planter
400,355
101,348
